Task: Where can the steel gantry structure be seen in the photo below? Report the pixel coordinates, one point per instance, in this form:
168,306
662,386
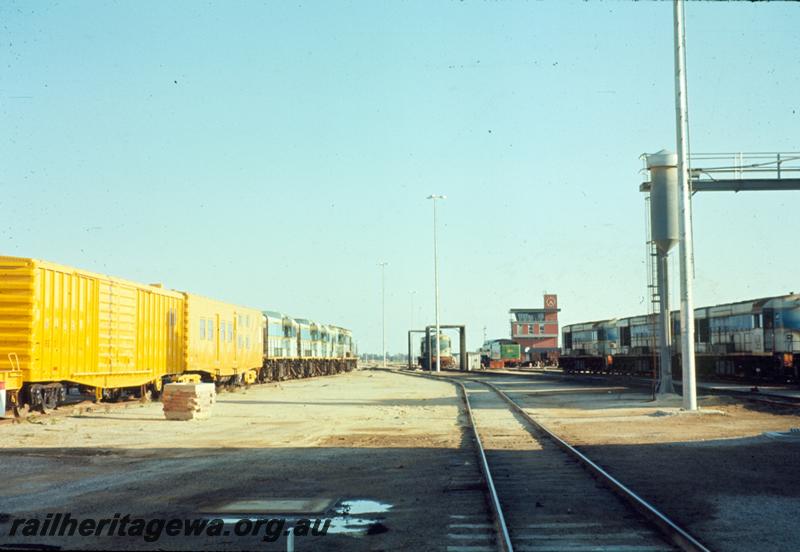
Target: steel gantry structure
718,172
462,343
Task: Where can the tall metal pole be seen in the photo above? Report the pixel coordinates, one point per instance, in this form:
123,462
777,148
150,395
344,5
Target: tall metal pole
685,219
412,327
383,308
413,293
434,197
436,289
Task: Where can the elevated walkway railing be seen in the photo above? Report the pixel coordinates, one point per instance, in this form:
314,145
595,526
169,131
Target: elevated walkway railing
742,165
741,172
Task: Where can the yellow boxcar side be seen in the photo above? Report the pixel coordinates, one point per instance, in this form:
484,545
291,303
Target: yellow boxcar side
75,326
223,340
16,320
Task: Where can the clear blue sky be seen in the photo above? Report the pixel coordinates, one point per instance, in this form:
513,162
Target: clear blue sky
271,154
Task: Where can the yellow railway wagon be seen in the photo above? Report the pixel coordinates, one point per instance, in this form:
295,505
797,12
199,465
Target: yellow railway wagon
64,325
224,341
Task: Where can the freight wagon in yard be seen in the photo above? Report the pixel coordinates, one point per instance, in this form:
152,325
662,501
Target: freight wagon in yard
224,341
62,328
63,325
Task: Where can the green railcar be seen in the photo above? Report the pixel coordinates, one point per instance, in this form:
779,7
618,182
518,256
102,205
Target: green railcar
504,352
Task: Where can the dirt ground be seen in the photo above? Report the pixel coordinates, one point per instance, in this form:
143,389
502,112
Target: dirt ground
718,473
372,436
396,441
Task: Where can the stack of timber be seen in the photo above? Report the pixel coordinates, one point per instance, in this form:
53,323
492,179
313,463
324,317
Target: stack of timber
188,401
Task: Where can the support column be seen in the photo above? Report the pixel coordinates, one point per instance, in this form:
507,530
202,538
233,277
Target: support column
462,334
409,350
665,328
428,347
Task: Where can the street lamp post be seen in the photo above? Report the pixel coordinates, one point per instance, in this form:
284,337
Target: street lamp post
434,197
413,293
383,308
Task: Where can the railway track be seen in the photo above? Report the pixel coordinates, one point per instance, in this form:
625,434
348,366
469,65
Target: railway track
633,382
544,495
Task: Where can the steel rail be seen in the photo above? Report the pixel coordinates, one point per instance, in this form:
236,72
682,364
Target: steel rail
704,388
497,510
668,528
501,529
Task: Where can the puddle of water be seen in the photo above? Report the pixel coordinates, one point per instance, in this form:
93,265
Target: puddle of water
350,526
358,506
349,517
337,526
343,521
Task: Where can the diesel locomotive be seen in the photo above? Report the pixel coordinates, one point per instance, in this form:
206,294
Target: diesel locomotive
754,340
445,352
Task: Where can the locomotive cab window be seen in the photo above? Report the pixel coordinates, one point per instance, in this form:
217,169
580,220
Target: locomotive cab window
703,330
625,336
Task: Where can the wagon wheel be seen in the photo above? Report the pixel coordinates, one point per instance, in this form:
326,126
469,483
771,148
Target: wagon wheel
36,398
49,399
155,389
114,395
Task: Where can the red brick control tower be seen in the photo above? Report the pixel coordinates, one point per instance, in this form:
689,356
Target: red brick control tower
537,331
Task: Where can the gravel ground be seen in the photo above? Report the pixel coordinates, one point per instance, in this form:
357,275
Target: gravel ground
373,436
716,473
394,440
